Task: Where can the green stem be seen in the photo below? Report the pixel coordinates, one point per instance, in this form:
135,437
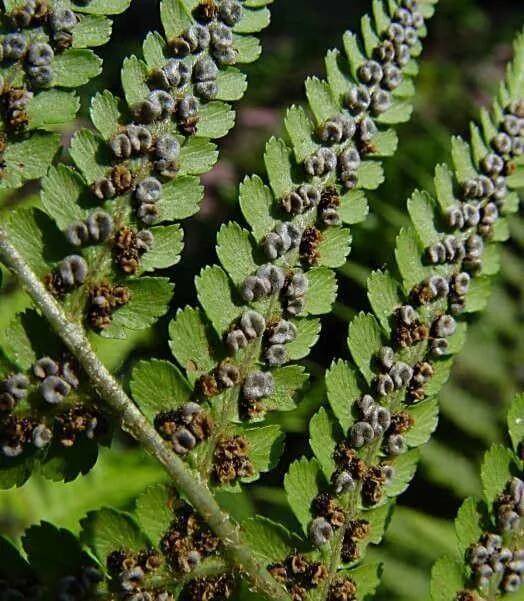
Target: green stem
133,422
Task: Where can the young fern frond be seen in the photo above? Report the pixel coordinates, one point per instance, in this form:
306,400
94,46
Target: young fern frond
384,405
489,561
45,50
138,169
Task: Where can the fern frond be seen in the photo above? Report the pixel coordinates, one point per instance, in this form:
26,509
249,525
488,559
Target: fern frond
258,313
383,406
93,246
46,51
489,531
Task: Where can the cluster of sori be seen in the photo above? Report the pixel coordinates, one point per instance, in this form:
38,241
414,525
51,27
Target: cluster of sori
417,341
52,388
102,300
218,588
483,201
184,427
20,588
14,103
510,506
344,139
296,238
25,46
134,575
231,459
299,575
188,541
78,587
349,135
492,562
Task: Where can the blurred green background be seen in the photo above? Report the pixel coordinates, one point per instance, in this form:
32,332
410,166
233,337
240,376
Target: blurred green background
468,45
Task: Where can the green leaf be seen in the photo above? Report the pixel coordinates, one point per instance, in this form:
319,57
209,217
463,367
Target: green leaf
287,380
302,485
385,143
265,447
335,246
364,341
104,7
378,518
91,31
16,345
134,80
158,386
370,175
175,17
256,201
353,207
404,466
149,300
235,251
75,67
342,390
51,108
252,20
40,147
216,297
231,84
322,439
516,420
154,513
383,294
425,416
53,553
62,191
105,114
15,472
322,291
180,198
354,54
367,578
461,153
24,233
108,530
168,242
421,211
446,579
197,156
369,36
444,187
90,155
189,342
495,471
278,167
154,48
321,101
300,131
13,564
267,539
399,112
248,48
308,331
407,254
478,294
338,82
467,525
381,19
215,119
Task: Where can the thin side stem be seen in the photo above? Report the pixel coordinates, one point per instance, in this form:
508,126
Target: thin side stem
186,480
